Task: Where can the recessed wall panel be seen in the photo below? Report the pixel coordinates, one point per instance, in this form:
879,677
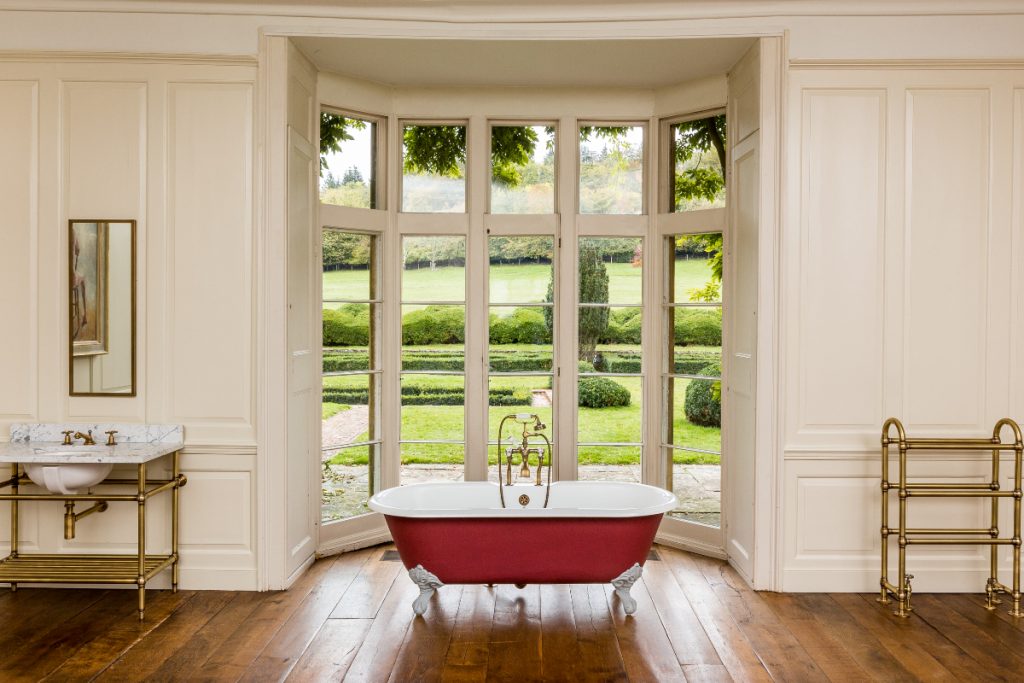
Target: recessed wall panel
104,131
19,227
210,229
947,240
215,511
842,234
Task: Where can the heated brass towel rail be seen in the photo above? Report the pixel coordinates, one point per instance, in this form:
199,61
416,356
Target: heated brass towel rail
907,536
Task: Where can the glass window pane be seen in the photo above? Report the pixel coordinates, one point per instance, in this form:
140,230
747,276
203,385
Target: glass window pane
346,359
697,415
521,269
434,169
696,269
695,337
611,270
432,410
349,478
432,462
698,157
610,410
611,169
347,338
349,472
696,458
434,269
523,394
347,161
522,169
609,463
520,339
610,339
346,264
345,404
432,407
433,337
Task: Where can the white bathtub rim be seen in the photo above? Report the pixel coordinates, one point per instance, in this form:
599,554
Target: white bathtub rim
394,502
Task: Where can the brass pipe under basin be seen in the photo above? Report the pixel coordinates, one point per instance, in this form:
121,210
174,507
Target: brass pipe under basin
71,517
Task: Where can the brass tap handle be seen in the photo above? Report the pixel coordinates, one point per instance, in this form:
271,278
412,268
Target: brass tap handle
67,437
110,437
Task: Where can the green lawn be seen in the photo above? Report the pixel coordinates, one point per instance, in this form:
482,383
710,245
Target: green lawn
508,283
615,425
520,284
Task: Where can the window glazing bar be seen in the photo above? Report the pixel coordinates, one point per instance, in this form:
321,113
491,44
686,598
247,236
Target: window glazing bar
346,446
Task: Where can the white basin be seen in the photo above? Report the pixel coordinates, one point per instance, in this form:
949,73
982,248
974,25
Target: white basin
68,478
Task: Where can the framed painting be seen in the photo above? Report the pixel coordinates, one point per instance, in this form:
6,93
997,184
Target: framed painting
88,280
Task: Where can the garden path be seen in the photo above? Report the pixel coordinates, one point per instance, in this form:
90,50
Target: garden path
345,427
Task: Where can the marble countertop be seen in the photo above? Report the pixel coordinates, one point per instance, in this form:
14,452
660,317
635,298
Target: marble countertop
53,452
136,443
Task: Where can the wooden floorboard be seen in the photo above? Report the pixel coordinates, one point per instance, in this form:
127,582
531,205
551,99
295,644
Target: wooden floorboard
350,618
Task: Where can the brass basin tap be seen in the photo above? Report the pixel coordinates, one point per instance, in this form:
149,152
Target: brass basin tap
89,441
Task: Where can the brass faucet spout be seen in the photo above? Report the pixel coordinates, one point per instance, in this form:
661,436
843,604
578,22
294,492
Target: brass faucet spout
89,441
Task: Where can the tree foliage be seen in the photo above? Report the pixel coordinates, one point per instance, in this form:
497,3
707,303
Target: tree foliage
441,150
341,249
593,320
694,139
438,150
710,244
512,148
334,130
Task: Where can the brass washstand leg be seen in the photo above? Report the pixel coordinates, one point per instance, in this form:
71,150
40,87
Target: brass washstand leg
142,541
174,521
14,519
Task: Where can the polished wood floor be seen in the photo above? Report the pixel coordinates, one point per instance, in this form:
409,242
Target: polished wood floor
350,618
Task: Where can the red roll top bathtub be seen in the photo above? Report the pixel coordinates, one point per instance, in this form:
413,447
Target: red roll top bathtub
458,532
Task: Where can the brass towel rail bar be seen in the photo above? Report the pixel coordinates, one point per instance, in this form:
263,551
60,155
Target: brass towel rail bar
901,590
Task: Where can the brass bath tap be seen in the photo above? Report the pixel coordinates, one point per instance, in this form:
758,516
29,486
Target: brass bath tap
532,428
89,441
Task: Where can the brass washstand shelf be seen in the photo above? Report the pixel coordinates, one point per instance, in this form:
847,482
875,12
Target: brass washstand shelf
906,536
75,568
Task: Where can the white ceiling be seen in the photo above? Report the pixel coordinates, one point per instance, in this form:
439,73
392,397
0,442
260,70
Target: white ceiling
536,63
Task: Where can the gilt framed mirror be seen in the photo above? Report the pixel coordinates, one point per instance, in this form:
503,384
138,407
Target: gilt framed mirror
101,307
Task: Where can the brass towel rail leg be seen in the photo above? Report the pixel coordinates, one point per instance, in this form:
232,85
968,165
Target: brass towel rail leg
1018,452
884,582
903,608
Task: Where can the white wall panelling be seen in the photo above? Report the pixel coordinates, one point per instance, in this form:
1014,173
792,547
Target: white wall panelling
902,247
169,145
209,249
19,225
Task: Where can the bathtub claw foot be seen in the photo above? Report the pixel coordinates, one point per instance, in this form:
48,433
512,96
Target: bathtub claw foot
428,583
623,582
